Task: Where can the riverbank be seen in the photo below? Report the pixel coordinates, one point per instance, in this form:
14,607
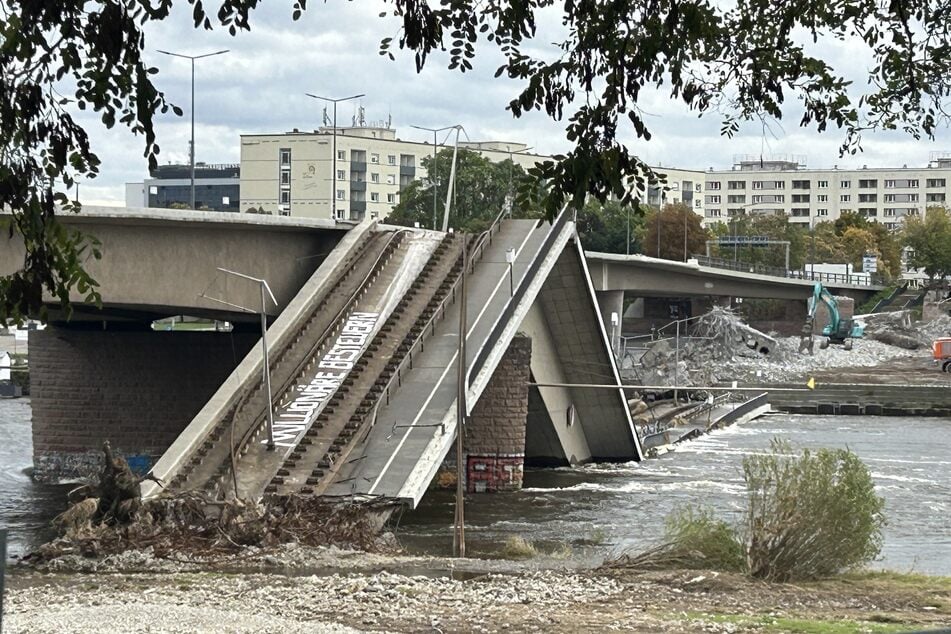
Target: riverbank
370,592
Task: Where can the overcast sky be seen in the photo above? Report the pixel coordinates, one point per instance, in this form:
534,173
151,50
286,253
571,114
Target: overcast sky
259,87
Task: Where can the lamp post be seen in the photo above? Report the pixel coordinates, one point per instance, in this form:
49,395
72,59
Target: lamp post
432,177
191,149
333,149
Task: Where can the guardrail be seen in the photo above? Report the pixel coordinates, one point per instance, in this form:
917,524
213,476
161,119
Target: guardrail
429,329
853,279
496,333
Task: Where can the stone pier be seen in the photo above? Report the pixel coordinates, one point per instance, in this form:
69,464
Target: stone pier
136,389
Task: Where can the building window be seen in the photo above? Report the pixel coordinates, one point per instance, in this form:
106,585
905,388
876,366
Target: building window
391,198
868,183
374,158
391,179
341,175
846,184
844,198
341,194
822,184
936,182
374,197
822,198
822,212
868,198
341,155
936,198
285,157
285,177
391,159
713,213
889,211
713,200
285,197
374,177
800,198
696,204
736,185
912,183
736,199
801,184
713,186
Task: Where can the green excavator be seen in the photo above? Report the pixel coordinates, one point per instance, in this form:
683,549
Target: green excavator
838,332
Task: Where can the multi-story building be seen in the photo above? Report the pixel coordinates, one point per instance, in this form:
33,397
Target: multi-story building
784,185
216,187
679,185
298,173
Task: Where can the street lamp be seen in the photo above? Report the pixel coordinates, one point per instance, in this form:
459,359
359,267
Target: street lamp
333,150
191,149
432,177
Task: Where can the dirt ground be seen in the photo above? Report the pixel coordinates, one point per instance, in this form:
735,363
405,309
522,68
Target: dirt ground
914,370
453,597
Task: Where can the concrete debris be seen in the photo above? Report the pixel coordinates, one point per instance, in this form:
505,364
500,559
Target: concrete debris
718,337
721,347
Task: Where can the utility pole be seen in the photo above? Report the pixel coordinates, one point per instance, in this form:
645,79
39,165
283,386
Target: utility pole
191,146
266,368
432,176
333,149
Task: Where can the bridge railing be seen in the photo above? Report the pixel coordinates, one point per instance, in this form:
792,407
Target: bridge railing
854,279
496,334
429,329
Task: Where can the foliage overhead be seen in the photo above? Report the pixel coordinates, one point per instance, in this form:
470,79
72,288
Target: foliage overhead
739,61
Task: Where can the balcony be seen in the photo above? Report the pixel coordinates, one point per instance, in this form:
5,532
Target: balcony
407,170
358,206
358,186
358,166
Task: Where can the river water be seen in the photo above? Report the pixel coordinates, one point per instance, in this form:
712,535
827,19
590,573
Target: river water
600,509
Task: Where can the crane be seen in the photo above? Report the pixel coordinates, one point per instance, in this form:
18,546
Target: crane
839,331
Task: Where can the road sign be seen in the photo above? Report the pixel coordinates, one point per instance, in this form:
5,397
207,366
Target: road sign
870,263
744,241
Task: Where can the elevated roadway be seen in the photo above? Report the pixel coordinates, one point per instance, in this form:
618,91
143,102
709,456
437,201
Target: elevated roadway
643,275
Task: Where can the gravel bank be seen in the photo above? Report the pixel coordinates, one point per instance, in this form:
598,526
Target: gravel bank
189,602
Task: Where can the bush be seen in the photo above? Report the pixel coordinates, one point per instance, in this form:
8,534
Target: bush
810,515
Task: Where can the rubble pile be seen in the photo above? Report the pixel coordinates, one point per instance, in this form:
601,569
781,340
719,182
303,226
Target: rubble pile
715,340
719,346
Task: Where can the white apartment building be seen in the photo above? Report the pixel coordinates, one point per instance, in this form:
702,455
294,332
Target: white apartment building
681,185
784,185
297,173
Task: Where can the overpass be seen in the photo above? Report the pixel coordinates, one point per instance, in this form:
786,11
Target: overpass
159,262
363,358
652,276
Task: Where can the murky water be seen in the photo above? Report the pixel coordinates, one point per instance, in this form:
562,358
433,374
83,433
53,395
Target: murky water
598,509
26,507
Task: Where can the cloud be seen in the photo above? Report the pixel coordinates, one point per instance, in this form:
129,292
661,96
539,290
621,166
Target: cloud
259,87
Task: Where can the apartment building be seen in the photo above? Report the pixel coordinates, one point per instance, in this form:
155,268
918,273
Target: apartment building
784,185
298,173
677,186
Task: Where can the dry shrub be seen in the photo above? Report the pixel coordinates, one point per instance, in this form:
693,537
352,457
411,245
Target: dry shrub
810,515
693,538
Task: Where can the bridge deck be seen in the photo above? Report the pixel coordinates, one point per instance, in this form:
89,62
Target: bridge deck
406,446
